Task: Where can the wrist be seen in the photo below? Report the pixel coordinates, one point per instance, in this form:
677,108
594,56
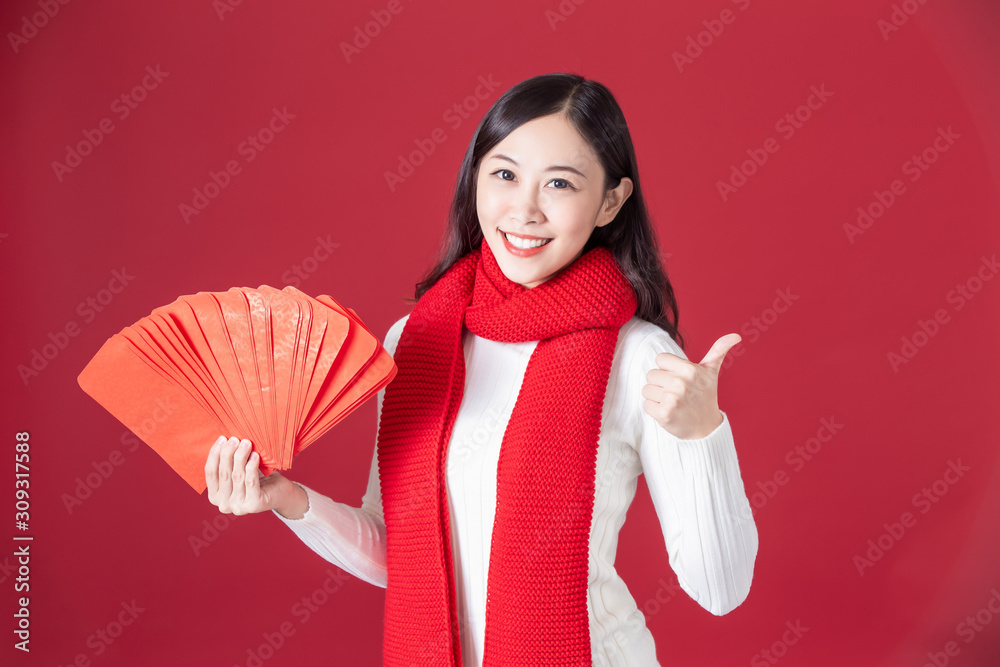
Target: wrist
292,502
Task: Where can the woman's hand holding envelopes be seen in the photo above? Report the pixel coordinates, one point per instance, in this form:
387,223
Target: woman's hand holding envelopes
276,367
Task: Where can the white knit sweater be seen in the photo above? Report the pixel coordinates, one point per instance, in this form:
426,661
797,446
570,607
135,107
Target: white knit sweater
695,485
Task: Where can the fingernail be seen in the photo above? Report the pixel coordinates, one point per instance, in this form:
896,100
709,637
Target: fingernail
244,443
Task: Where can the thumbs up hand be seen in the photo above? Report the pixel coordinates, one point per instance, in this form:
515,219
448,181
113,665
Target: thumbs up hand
683,396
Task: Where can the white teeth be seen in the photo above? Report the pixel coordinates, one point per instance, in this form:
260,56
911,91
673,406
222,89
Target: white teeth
525,243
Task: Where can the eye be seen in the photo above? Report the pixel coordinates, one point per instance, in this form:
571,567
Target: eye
567,185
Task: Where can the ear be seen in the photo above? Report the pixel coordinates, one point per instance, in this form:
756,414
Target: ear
613,200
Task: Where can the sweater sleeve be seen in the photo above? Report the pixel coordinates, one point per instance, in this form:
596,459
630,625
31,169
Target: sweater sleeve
352,538
696,489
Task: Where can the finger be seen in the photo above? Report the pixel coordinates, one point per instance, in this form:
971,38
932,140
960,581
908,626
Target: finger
252,476
671,362
674,380
659,410
659,393
239,473
226,472
713,359
212,468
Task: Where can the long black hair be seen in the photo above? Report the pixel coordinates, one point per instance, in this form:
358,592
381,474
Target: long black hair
595,114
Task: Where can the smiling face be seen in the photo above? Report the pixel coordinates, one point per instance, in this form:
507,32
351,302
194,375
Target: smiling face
542,183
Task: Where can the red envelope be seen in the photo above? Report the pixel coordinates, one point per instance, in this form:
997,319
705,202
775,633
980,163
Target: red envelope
276,367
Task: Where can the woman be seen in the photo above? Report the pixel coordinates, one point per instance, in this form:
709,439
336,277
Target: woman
538,376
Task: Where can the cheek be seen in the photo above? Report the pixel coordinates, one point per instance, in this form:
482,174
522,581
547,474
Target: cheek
570,211
488,204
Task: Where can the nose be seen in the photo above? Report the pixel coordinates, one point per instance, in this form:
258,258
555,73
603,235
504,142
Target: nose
524,206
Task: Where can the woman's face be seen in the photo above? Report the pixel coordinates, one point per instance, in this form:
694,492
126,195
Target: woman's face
543,181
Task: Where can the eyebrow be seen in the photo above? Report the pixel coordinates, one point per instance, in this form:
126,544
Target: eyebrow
555,167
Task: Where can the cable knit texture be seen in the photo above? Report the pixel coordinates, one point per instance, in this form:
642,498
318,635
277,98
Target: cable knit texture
705,520
536,604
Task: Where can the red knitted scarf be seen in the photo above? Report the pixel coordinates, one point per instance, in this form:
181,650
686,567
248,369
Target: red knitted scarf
536,610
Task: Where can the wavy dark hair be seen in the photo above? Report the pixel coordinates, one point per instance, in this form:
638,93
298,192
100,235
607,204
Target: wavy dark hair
595,114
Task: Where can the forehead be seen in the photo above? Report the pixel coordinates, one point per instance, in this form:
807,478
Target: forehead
545,140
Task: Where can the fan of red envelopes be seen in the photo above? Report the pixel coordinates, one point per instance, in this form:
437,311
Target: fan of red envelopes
276,367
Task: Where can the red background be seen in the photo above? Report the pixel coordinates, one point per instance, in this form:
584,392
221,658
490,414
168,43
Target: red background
324,176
